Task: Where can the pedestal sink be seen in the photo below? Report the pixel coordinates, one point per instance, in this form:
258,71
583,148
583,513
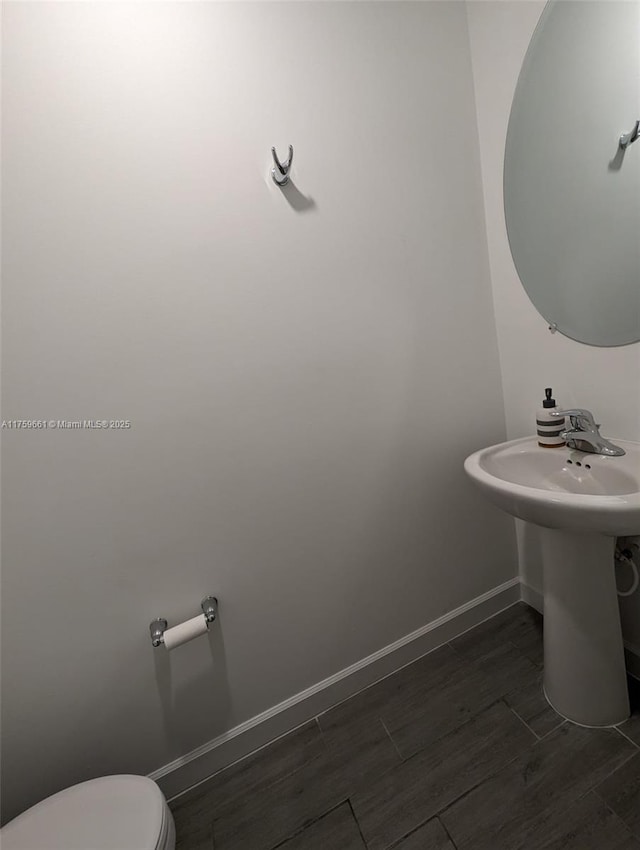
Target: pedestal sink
582,502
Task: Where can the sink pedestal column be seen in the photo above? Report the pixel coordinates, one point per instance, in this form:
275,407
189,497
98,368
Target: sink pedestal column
584,669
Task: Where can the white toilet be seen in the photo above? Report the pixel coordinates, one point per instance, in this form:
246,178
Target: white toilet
110,813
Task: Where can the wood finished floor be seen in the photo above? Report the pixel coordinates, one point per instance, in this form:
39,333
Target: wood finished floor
457,751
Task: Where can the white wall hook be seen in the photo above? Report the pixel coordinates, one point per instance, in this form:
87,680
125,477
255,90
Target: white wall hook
280,171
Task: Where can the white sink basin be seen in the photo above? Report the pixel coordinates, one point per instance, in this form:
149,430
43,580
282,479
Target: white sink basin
582,502
562,488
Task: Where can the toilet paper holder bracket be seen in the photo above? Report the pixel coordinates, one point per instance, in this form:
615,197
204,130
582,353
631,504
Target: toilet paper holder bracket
158,627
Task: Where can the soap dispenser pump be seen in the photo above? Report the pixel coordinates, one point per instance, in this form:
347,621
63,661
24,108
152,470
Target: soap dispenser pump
549,427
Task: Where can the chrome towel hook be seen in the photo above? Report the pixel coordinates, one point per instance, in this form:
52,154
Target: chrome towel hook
629,138
280,171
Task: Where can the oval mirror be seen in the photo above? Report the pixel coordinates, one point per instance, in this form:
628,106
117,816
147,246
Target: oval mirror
571,191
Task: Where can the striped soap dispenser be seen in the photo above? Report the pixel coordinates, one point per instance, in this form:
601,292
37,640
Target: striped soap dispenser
549,427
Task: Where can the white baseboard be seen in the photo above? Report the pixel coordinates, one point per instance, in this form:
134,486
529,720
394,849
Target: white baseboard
532,597
231,746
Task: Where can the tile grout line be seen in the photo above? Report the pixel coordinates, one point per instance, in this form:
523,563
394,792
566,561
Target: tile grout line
423,747
469,719
393,743
448,834
631,741
590,790
465,793
562,722
310,824
469,791
353,814
398,841
611,773
616,815
524,722
404,837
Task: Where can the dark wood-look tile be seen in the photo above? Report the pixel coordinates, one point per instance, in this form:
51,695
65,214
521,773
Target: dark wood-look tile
193,817
403,697
194,811
480,770
407,796
431,836
586,825
530,703
267,765
408,685
359,753
507,668
507,809
429,698
337,830
466,691
530,642
621,791
193,834
519,625
261,821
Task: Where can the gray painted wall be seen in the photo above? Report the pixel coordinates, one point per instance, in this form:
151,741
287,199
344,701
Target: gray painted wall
304,372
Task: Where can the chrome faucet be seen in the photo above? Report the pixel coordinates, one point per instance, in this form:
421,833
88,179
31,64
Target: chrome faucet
584,434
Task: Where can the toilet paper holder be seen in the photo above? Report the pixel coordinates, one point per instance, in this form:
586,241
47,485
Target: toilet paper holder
158,627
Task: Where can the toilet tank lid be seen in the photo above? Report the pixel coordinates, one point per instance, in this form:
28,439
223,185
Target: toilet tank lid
110,813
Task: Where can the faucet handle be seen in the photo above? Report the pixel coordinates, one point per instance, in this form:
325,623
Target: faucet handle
579,417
